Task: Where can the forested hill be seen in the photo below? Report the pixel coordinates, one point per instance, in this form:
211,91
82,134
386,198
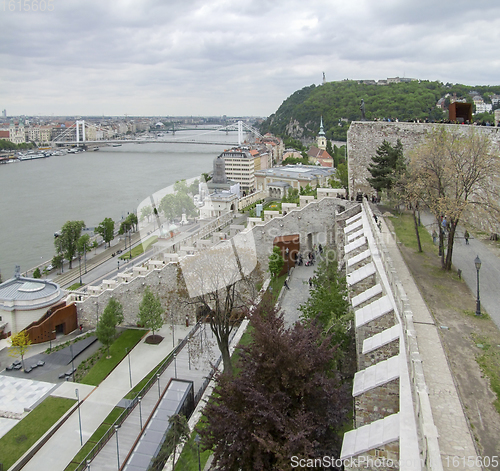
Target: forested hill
339,104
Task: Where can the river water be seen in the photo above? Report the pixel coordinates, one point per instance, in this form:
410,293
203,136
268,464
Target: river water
37,197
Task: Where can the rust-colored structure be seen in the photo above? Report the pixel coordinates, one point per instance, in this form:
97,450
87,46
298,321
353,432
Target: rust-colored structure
460,112
290,247
61,318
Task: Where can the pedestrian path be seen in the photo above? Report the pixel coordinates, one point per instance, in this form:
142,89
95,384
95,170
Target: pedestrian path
297,294
61,448
193,363
463,259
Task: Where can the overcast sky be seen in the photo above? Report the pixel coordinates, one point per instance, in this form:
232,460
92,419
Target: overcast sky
232,57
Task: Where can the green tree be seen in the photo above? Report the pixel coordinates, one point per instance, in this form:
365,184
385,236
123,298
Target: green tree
178,433
37,273
285,401
453,174
110,318
106,230
328,304
132,218
83,244
276,262
387,166
146,212
20,344
150,311
342,175
66,241
194,188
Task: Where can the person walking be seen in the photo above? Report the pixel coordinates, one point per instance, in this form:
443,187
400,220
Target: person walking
466,237
286,285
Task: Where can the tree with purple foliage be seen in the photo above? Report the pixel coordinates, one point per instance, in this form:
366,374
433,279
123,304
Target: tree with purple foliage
285,401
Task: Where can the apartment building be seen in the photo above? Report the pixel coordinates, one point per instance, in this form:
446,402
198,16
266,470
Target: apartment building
240,168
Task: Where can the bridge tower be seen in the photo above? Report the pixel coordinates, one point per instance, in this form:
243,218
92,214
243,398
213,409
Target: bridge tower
240,133
79,123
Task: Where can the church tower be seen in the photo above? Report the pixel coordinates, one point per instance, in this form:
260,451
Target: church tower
321,139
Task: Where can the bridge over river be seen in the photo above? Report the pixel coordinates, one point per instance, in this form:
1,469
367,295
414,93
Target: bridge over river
76,135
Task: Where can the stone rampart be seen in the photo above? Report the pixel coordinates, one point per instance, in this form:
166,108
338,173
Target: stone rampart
364,137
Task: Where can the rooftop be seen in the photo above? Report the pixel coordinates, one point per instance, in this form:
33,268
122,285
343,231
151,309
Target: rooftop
28,292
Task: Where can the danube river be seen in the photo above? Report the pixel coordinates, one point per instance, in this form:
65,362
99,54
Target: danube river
39,196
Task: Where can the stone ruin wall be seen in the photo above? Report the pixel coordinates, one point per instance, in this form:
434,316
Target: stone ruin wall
365,137
165,279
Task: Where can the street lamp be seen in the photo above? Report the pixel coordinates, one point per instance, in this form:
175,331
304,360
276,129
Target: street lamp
477,262
52,332
56,235
140,410
88,465
79,416
80,266
117,448
197,439
118,265
175,364
158,378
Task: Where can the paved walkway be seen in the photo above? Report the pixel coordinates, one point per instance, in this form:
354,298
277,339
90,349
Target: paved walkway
191,364
58,452
454,436
463,259
297,294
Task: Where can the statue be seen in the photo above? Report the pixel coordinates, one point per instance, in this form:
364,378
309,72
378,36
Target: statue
362,108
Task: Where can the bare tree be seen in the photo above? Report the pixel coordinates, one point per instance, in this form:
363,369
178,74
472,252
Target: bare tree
457,177
218,280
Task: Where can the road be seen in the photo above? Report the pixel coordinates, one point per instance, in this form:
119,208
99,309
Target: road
463,259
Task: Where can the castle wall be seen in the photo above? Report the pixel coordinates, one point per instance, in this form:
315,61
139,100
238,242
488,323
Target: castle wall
364,137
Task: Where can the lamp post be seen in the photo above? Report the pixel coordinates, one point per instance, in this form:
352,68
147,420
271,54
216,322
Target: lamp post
477,262
158,378
56,235
80,266
130,244
88,465
52,332
79,416
197,439
175,364
118,265
117,448
140,410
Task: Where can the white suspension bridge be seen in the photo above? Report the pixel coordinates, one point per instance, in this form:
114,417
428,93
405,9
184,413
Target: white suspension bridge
77,134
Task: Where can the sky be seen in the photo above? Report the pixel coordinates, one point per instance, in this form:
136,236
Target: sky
229,57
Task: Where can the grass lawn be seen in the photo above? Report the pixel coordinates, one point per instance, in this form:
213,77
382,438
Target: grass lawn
405,231
29,430
96,436
104,366
138,387
472,343
489,361
75,286
275,286
140,249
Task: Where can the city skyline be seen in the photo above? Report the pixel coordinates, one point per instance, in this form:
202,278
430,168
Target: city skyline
229,58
